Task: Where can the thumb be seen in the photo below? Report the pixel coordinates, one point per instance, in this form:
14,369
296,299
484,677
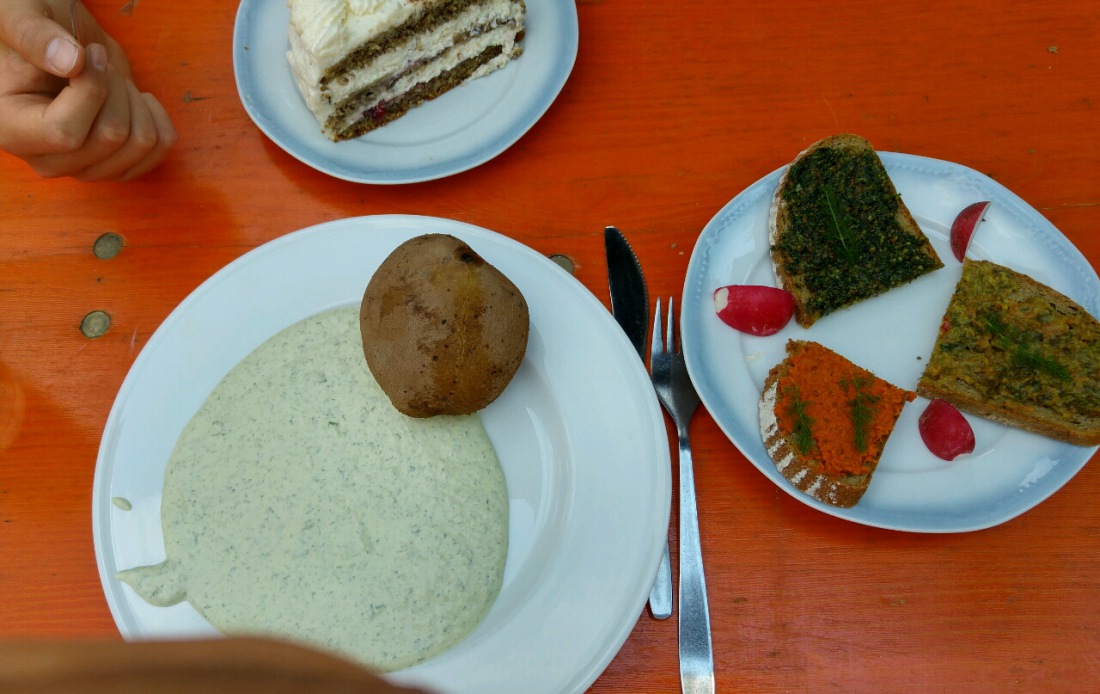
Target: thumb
40,40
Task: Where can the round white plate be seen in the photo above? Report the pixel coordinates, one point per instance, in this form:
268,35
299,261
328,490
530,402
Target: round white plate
455,132
579,433
1010,471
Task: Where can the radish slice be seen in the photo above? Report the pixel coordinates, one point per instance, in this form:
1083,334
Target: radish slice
754,309
964,225
945,430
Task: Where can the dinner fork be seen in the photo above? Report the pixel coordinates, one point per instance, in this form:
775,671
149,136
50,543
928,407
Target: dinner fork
677,394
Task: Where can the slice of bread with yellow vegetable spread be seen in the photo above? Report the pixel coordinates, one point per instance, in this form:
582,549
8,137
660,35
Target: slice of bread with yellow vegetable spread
839,232
1013,350
825,421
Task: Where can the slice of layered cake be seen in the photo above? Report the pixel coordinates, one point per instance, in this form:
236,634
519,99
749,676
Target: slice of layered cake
362,63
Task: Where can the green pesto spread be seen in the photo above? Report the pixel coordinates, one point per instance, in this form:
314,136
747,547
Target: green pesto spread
1004,341
844,242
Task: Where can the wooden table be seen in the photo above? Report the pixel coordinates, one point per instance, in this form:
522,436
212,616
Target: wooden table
671,110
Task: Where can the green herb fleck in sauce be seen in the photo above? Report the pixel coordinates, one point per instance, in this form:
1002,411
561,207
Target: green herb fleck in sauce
803,423
861,408
1023,348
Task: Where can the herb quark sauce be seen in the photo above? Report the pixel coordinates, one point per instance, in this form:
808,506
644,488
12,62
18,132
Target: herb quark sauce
844,241
299,503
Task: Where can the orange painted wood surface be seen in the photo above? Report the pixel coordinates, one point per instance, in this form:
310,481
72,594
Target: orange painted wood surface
671,110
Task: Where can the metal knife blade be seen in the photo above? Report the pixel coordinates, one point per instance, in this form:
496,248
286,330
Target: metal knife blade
629,300
630,306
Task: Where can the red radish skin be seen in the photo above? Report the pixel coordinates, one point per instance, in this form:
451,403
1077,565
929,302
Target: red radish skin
964,225
754,309
945,430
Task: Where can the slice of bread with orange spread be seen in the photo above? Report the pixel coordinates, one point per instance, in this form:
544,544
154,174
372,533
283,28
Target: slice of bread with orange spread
1018,352
839,232
825,421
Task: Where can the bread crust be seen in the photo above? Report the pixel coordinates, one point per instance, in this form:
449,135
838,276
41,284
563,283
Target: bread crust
1062,431
967,396
780,223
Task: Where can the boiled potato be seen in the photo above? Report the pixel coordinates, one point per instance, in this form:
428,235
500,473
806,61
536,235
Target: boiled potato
443,330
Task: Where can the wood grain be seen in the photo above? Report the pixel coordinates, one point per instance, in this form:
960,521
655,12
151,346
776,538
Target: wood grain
671,109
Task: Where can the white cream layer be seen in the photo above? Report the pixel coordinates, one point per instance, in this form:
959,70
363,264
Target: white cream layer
433,68
330,28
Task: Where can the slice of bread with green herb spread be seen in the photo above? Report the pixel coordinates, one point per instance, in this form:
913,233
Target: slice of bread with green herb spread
1013,350
825,421
839,232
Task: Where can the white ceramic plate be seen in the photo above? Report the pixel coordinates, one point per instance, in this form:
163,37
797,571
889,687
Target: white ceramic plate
455,132
1010,471
579,433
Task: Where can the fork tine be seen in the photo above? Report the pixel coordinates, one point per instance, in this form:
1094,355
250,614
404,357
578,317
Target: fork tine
670,343
657,346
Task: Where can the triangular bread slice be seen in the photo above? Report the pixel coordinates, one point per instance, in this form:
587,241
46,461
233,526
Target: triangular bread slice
1013,350
825,421
839,232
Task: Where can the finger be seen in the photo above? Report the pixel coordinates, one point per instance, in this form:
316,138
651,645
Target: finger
29,29
108,134
166,139
117,57
79,105
140,142
38,124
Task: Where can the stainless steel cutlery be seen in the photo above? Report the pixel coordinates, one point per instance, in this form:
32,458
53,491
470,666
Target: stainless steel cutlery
678,396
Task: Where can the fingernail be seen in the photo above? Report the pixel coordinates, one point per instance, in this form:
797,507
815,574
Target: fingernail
98,56
61,55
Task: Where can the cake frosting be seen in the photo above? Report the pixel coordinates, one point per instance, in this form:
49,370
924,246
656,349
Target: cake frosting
361,63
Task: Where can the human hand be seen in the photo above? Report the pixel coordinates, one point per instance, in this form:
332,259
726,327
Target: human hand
72,110
210,666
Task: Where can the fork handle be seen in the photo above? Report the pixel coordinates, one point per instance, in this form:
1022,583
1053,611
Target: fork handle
696,657
660,596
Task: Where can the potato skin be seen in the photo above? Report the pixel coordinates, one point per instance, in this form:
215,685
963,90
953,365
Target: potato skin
443,330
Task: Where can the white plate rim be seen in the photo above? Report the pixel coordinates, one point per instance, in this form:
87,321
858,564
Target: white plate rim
512,101
650,471
956,185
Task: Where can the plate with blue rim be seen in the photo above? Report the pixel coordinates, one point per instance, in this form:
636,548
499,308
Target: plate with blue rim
455,132
1010,471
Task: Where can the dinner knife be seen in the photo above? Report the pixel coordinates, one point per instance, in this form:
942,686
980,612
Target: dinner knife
630,306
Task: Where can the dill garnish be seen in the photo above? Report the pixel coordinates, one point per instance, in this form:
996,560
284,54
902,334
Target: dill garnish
803,423
1022,350
840,224
861,408
1030,358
